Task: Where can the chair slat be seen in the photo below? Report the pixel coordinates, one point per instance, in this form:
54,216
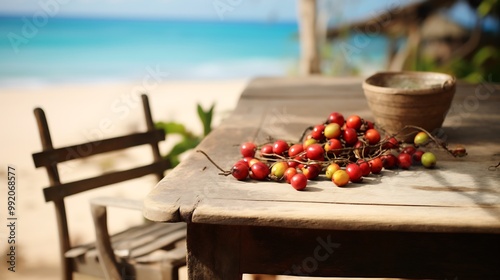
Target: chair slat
159,242
119,237
49,157
137,241
175,255
60,191
136,231
147,236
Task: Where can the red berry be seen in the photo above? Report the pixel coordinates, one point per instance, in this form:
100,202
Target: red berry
248,149
404,160
240,171
280,146
337,118
354,121
409,150
289,172
389,161
391,143
369,125
372,136
317,132
376,165
299,181
243,161
311,171
294,163
334,146
417,156
295,150
315,152
364,166
350,136
266,150
354,172
259,171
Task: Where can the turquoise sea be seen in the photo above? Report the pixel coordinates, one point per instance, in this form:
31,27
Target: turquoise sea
63,50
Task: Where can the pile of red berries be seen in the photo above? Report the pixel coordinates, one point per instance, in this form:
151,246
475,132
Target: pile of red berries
342,149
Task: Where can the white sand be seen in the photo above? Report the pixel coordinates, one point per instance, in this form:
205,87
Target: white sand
76,113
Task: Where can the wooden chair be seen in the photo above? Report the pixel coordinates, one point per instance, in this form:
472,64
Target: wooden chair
148,251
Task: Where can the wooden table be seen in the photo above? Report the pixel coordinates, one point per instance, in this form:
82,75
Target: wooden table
442,223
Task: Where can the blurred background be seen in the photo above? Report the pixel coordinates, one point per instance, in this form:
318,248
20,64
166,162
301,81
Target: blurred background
50,41
79,59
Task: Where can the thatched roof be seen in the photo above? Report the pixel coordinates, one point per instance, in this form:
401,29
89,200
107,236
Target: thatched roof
438,26
395,21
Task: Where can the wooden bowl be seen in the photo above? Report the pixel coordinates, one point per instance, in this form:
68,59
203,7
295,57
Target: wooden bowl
397,99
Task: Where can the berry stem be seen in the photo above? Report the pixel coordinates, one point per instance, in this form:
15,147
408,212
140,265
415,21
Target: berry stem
223,172
437,141
494,167
301,139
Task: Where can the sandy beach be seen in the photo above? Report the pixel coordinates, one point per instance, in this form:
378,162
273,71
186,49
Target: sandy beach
76,113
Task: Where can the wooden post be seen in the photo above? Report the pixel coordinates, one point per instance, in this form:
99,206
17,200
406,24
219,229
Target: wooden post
407,56
309,57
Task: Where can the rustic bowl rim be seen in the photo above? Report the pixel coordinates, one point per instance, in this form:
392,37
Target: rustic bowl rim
449,83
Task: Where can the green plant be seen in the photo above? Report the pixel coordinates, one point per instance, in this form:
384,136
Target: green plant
188,139
483,58
483,63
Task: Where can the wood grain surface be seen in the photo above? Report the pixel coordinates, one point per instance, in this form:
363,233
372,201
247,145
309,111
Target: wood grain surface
460,195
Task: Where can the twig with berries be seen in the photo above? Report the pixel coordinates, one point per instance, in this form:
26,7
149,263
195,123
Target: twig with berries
421,138
342,149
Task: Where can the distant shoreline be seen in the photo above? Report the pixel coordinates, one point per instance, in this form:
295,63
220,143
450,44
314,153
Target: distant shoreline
78,49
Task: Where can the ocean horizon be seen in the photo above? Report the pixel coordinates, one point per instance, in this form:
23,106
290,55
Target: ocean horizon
93,50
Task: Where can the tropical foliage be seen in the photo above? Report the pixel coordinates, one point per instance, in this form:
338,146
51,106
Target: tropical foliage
188,140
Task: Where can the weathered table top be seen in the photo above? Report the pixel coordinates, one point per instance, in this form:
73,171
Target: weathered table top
460,195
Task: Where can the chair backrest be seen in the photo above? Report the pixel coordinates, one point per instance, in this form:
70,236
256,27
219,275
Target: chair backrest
50,157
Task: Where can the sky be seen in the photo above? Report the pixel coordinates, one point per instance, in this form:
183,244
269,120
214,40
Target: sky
338,11
254,10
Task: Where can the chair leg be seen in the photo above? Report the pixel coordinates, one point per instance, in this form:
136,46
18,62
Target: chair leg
169,271
103,243
67,271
